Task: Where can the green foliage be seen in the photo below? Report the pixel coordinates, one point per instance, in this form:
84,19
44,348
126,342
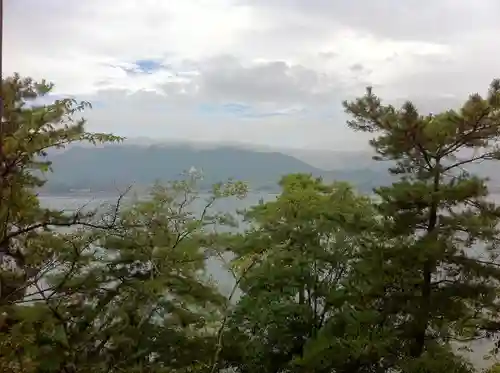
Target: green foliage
325,279
494,369
133,296
302,248
28,246
411,281
440,288
28,131
123,290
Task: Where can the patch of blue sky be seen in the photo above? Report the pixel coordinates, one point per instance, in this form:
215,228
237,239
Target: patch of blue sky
208,109
149,66
142,66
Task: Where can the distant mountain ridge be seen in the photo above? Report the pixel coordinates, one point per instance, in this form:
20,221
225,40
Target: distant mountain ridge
112,166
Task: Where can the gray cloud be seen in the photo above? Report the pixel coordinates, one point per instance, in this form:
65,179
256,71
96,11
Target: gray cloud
357,67
430,20
225,79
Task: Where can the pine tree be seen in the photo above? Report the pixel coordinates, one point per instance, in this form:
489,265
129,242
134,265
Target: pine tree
123,290
28,131
28,247
439,210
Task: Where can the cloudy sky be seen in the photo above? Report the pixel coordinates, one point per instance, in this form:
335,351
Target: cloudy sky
270,72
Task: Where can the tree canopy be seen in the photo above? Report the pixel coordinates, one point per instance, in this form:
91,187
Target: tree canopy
325,279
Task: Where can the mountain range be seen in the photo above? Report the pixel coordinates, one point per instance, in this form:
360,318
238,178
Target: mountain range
116,166
112,167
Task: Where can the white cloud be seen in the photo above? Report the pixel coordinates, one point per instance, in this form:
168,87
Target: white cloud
290,63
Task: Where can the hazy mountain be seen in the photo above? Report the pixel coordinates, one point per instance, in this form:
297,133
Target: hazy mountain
143,161
108,167
326,159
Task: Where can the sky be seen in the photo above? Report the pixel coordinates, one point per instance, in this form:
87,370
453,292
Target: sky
268,72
